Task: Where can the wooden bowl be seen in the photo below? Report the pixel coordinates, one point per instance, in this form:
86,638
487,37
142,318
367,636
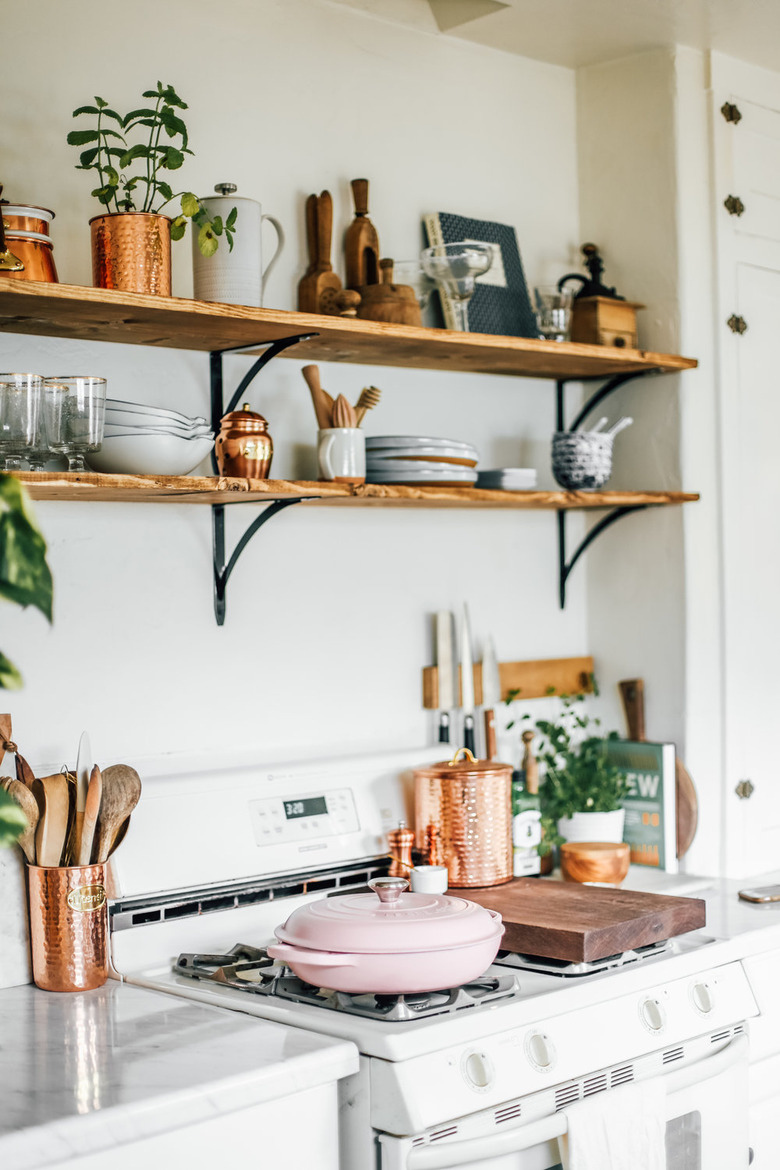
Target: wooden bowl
594,861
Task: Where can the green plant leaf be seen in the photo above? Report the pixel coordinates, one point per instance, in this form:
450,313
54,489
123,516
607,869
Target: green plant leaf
10,679
216,225
143,112
138,151
12,820
165,190
85,110
207,241
178,227
190,204
88,156
112,175
82,137
25,577
173,158
99,101
230,222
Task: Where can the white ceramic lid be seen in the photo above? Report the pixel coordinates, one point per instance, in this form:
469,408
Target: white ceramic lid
27,212
364,924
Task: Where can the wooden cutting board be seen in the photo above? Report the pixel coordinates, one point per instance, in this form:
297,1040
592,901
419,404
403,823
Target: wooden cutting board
564,920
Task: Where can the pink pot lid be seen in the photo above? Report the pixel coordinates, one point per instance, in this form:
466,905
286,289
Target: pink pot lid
364,924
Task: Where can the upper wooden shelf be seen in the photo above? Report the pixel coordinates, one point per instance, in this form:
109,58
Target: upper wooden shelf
193,489
64,310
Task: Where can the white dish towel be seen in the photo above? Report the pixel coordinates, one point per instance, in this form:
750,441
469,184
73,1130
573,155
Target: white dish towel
622,1129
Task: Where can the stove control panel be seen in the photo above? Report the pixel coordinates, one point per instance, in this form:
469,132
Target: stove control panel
277,820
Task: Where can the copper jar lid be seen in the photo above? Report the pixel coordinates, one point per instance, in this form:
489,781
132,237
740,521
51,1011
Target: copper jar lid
244,420
456,767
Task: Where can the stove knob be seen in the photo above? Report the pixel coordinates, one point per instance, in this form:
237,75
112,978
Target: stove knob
540,1051
652,1015
477,1070
701,997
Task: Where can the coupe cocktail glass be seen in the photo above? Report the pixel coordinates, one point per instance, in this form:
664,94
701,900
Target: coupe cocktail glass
455,267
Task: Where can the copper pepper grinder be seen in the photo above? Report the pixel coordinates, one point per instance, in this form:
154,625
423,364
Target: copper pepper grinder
400,842
244,447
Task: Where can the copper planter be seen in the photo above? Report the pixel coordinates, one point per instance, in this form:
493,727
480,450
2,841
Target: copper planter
68,927
131,251
470,804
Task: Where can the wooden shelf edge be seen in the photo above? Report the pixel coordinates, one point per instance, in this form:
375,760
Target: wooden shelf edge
101,488
62,310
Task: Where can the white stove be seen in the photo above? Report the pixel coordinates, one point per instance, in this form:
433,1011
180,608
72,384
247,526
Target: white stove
480,1076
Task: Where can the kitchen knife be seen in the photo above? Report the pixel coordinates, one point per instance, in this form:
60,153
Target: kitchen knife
83,773
467,680
445,661
491,696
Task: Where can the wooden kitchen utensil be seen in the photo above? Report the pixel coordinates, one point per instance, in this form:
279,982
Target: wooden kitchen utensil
343,413
595,861
394,303
23,770
29,806
121,793
91,814
632,692
320,285
564,920
361,244
369,398
52,794
322,401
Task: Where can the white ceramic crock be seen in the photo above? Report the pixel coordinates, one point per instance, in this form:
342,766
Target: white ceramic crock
593,826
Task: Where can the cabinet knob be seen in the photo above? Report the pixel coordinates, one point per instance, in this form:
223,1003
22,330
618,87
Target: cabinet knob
745,789
737,324
734,205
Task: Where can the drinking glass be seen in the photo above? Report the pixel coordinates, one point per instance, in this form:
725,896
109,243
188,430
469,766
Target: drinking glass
50,422
553,312
83,403
20,401
456,267
410,272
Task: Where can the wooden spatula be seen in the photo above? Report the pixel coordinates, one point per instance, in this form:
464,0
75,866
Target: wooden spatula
322,401
53,796
91,814
121,793
29,806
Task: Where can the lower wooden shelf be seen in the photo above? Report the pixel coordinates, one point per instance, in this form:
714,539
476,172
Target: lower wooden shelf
190,489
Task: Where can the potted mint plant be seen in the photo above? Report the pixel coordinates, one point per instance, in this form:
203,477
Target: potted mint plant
133,157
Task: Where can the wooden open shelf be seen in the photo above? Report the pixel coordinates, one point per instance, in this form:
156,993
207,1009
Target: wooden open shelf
134,489
72,311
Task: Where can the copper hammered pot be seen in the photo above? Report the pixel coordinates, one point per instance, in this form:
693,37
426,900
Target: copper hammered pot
68,926
470,803
131,251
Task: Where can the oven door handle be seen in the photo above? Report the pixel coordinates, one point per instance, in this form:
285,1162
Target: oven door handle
525,1137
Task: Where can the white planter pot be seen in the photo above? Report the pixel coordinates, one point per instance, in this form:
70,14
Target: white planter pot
593,826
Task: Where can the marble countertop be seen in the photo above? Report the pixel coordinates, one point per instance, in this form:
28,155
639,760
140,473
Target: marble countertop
80,1073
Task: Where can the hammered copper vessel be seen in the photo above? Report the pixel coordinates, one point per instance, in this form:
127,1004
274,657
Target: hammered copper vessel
131,251
469,802
68,927
244,447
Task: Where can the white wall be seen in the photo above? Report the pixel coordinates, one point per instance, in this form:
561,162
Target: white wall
328,612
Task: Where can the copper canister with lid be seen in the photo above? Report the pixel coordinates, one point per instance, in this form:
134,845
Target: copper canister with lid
244,447
469,801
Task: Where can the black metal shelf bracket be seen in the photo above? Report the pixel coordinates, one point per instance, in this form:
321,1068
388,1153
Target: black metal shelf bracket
565,567
596,399
221,570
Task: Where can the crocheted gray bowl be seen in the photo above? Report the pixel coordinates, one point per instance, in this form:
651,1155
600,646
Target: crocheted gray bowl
581,460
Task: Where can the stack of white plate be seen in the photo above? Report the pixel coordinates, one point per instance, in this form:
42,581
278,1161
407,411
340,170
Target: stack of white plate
149,440
508,479
420,459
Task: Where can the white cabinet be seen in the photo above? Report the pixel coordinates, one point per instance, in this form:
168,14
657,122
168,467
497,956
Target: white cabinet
763,971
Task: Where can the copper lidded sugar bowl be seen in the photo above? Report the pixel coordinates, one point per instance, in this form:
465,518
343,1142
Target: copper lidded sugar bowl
244,447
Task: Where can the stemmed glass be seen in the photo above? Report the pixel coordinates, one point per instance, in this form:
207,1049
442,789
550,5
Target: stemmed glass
20,402
456,267
81,402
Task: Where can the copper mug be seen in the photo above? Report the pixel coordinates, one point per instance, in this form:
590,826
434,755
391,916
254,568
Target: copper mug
469,802
244,447
68,926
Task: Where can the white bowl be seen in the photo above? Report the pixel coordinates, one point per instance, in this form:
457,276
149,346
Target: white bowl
140,454
136,419
140,408
150,427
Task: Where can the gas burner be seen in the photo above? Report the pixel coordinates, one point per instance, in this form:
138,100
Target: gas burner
565,969
251,969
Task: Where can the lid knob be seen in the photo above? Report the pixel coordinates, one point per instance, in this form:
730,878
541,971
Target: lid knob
225,188
388,890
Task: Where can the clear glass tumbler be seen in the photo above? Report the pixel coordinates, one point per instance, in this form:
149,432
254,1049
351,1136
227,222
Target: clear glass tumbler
50,422
83,405
553,312
20,404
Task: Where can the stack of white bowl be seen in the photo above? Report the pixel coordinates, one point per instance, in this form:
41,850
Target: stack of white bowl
420,459
150,440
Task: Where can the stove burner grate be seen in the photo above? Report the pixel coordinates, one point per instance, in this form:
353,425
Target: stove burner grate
565,969
251,969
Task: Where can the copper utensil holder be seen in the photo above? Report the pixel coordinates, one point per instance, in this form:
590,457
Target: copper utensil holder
68,927
470,803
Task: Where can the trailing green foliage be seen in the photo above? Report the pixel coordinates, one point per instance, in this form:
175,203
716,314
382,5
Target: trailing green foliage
12,820
131,176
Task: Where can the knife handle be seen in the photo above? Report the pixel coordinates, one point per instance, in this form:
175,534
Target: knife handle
444,727
491,749
468,733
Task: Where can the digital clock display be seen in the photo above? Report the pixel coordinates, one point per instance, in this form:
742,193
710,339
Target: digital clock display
312,806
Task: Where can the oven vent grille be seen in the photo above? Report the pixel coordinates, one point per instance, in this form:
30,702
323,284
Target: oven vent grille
566,1095
673,1054
438,1134
716,1037
621,1076
508,1113
596,1084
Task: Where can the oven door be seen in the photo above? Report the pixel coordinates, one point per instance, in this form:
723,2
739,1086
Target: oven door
706,1116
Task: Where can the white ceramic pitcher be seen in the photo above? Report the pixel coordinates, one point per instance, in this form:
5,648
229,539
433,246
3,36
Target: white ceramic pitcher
237,277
